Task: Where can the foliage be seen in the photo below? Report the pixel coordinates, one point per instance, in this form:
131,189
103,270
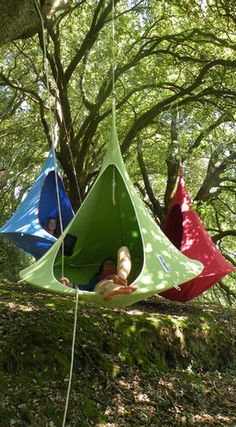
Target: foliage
12,260
21,19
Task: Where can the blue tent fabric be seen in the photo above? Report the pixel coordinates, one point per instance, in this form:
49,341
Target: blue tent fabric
26,227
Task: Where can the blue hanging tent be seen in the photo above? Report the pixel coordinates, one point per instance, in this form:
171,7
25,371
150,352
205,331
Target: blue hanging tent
26,227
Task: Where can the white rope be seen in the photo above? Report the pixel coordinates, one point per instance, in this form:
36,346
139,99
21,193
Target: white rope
113,52
60,214
72,359
68,143
114,186
113,94
52,132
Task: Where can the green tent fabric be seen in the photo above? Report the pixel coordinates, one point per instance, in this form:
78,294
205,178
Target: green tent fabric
113,215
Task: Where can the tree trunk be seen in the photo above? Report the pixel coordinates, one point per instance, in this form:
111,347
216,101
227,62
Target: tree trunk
21,20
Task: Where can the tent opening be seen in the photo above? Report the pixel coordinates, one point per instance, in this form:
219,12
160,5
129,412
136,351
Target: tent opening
109,223
48,203
174,226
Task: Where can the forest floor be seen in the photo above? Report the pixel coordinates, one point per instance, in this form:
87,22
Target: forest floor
157,363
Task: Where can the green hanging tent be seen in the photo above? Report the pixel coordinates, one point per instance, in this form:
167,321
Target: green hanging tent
113,215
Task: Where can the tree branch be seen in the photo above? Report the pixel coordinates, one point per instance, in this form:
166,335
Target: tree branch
223,234
91,36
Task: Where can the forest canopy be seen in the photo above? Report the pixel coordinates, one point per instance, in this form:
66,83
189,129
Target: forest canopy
174,65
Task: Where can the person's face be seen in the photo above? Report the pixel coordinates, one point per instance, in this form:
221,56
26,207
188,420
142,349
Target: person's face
108,264
52,224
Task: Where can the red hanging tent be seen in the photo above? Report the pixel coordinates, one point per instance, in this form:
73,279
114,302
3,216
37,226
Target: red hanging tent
185,230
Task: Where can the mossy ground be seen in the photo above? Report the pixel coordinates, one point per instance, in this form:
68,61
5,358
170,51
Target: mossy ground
157,363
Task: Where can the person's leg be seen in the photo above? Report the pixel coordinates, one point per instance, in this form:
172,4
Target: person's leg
108,289
118,285
123,262
103,285
118,290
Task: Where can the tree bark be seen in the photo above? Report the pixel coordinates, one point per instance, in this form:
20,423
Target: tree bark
21,20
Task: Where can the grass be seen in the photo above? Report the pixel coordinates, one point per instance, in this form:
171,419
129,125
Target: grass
156,363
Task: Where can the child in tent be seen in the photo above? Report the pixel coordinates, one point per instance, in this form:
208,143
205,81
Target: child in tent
51,226
110,280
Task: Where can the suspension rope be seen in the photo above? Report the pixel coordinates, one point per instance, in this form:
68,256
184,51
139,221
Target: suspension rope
115,199
113,95
113,53
52,129
62,115
54,141
72,359
114,185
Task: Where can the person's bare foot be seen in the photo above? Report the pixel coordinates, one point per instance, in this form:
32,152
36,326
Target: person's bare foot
122,290
64,281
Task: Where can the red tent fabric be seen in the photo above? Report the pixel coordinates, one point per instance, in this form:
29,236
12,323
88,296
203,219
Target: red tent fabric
185,230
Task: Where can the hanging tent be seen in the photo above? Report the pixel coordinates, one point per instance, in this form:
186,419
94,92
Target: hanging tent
185,230
26,228
113,215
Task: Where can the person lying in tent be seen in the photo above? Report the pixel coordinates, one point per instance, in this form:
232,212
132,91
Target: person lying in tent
51,226
110,280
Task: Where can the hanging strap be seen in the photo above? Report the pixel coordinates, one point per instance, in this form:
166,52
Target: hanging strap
114,186
113,95
113,52
52,131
